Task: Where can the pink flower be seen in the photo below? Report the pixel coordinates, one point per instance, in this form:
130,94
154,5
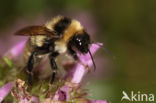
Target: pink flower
64,93
16,50
5,90
80,70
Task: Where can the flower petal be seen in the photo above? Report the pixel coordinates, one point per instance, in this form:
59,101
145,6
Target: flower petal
78,73
16,50
86,59
80,70
4,91
62,93
35,100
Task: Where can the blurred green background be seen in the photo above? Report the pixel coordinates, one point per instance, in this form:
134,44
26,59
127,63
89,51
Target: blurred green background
126,27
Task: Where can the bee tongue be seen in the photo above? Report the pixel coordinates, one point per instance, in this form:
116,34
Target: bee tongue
92,59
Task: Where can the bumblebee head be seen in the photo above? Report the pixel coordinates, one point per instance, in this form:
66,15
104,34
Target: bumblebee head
81,42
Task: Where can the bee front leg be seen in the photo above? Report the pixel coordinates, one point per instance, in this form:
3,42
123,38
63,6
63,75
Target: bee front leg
72,53
30,64
52,57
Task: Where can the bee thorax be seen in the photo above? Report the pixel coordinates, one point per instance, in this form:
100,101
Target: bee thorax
60,47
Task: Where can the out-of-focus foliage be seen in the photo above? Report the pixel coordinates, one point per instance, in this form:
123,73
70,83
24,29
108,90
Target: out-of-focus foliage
127,28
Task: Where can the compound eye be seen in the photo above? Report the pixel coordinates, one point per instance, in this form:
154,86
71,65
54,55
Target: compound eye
79,41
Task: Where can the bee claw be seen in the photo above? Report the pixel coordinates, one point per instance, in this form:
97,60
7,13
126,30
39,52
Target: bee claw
30,79
48,94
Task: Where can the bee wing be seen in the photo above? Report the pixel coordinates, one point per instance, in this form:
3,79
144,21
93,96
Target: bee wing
34,31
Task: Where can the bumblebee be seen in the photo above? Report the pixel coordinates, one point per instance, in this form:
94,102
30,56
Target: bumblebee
60,35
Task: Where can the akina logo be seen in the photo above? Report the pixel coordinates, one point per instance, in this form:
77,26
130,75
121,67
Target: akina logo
137,96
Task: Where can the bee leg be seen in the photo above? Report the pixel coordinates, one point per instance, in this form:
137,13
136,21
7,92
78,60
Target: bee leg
72,53
52,57
30,63
30,67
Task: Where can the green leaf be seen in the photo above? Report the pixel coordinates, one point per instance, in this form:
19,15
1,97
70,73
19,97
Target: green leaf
8,62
